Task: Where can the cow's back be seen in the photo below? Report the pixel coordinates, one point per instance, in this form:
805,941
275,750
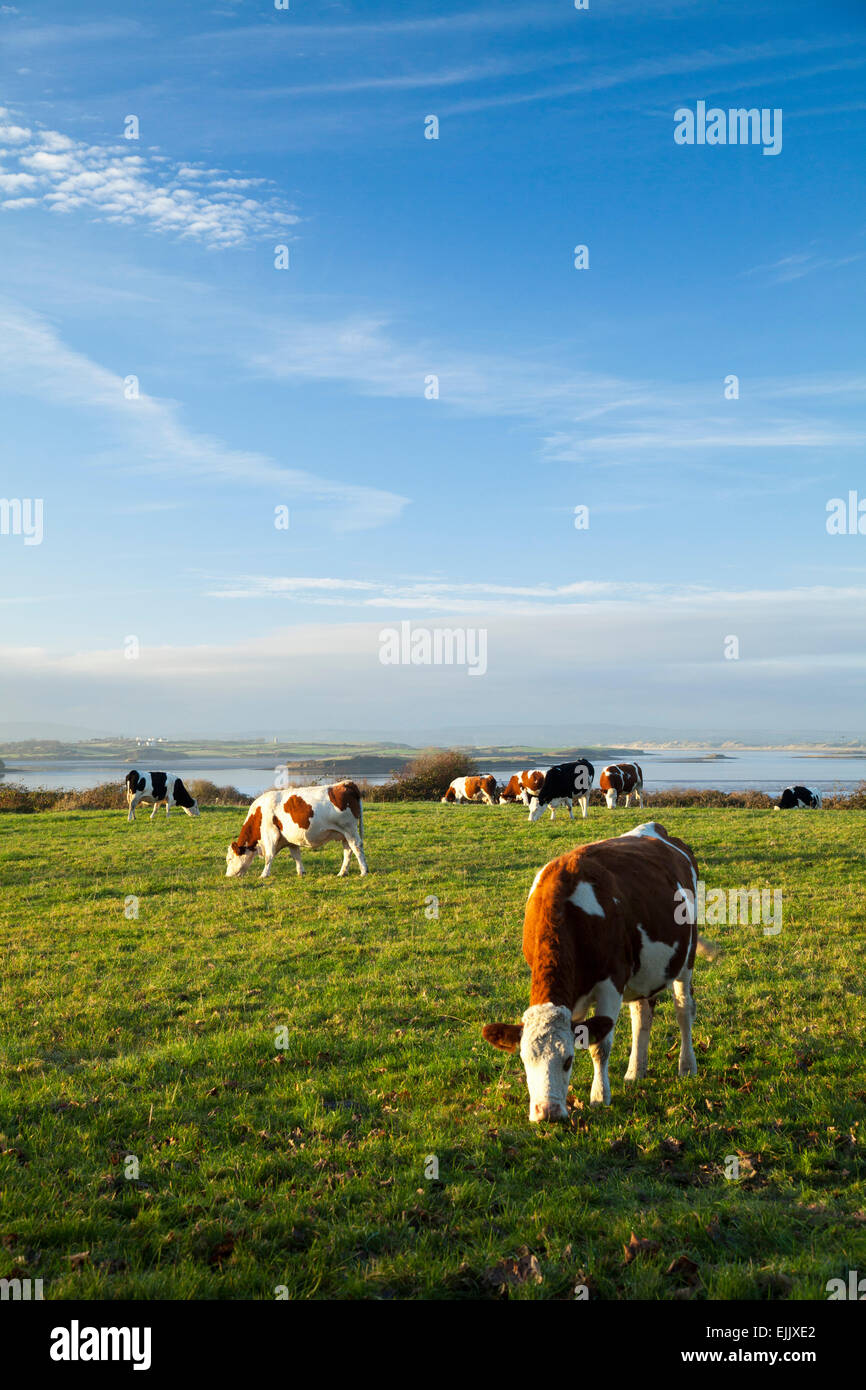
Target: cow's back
591,911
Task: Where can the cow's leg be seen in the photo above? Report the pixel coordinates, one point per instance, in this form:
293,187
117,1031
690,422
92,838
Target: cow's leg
295,852
552,811
568,807
608,1002
641,1023
132,802
355,847
640,797
347,855
684,1003
155,809
167,808
610,798
583,803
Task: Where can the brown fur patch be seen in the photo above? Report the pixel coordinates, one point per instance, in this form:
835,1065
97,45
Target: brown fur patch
250,835
473,787
489,785
570,952
346,795
620,777
300,811
511,792
533,780
282,843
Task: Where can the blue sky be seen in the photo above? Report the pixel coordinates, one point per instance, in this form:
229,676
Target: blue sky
411,257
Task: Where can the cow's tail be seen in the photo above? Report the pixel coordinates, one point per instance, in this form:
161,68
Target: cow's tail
708,949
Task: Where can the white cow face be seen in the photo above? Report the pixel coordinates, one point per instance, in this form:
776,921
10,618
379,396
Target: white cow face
192,810
536,810
546,1040
547,1050
237,864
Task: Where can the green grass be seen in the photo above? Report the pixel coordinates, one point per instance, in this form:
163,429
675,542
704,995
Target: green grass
304,1167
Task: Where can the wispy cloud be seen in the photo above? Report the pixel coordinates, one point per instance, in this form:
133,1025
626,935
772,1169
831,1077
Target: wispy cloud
799,264
150,435
112,183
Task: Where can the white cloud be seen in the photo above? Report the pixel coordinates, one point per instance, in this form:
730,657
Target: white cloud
120,184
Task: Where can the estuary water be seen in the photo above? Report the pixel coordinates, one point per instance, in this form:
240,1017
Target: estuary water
764,770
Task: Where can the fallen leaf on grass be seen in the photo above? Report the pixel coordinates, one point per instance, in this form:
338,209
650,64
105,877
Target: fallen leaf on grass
637,1247
513,1272
222,1251
78,1260
685,1268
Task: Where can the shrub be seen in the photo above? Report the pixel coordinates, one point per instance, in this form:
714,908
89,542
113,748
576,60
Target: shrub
108,796
24,800
425,778
209,794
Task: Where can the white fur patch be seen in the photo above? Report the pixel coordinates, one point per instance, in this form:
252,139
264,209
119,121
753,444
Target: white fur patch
651,973
584,897
546,1045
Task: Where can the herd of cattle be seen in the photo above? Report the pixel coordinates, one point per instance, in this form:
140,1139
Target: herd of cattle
567,783
605,924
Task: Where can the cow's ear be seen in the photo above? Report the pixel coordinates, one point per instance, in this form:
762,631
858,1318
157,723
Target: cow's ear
504,1035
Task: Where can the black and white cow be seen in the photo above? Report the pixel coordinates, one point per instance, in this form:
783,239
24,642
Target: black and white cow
795,798
159,788
565,781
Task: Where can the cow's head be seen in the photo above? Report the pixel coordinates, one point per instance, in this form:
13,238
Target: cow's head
239,858
536,810
546,1041
193,810
488,789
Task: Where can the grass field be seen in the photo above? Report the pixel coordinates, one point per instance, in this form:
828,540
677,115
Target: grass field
302,1167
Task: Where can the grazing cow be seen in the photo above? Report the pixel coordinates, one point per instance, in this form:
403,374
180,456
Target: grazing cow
297,818
566,782
621,779
512,791
522,786
796,798
472,789
607,922
159,788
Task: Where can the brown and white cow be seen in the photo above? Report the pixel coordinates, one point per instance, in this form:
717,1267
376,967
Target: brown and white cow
607,922
621,779
481,788
296,818
522,786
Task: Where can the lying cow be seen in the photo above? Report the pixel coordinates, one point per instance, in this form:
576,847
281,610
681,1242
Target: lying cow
621,779
561,785
607,922
796,798
472,789
159,788
297,818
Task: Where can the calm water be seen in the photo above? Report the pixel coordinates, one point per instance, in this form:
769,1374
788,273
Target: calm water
764,771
